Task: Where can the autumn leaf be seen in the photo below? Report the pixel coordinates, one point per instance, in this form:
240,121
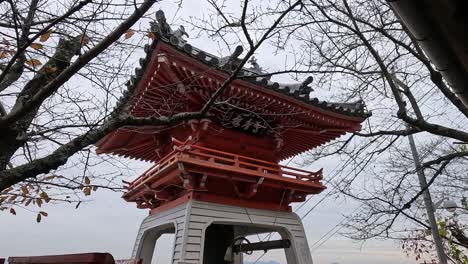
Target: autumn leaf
12,198
87,180
129,33
3,54
25,190
151,35
45,197
87,191
43,213
36,46
12,211
33,62
95,188
46,36
38,218
28,202
39,202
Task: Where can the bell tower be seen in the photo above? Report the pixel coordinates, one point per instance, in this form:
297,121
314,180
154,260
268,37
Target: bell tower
217,180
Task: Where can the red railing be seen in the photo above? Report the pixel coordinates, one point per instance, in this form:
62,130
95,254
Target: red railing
166,160
198,153
244,162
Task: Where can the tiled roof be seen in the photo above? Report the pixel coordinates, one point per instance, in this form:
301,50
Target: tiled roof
298,91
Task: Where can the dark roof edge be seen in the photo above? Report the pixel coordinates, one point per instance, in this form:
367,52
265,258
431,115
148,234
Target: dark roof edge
434,44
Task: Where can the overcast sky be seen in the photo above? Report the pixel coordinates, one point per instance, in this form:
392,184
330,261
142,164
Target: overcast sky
109,224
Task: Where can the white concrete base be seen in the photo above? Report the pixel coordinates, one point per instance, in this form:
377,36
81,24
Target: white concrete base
189,222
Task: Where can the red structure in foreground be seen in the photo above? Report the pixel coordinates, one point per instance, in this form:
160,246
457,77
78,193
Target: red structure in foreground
232,156
82,258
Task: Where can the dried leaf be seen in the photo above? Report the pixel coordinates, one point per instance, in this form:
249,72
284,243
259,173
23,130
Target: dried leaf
3,54
151,35
45,197
87,180
39,202
43,213
129,33
94,188
25,190
12,198
38,218
12,211
87,191
46,36
28,202
36,46
33,62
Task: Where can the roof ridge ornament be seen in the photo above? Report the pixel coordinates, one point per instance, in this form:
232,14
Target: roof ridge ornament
231,62
180,32
161,26
298,88
164,27
255,66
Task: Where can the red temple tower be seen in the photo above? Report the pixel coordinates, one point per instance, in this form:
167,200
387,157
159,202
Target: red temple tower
218,179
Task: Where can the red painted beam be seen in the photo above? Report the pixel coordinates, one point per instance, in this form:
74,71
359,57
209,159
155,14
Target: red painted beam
84,258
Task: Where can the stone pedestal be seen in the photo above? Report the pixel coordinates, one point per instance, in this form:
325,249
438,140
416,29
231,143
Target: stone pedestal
203,231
